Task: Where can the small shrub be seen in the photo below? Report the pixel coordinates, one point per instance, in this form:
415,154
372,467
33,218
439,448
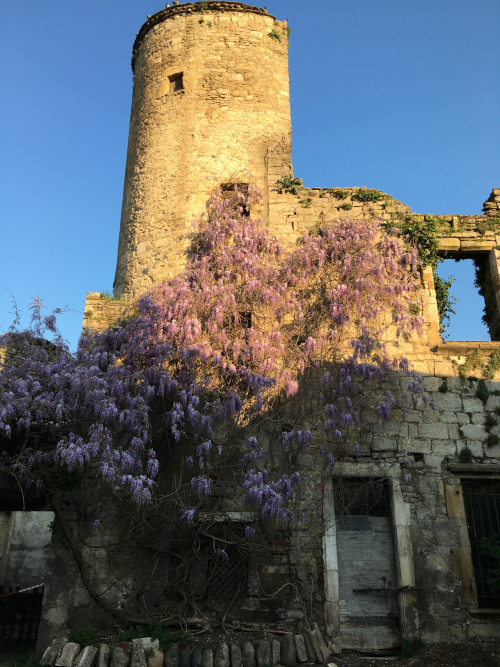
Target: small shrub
83,636
290,184
465,455
346,207
367,195
490,422
492,440
155,631
337,193
443,388
306,203
482,391
274,35
410,647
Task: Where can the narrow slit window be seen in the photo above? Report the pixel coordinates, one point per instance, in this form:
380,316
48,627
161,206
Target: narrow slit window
176,82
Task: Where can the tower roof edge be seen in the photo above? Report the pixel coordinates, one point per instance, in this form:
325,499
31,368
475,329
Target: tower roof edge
194,8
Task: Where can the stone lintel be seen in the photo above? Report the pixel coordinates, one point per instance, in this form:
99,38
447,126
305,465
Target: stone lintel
462,348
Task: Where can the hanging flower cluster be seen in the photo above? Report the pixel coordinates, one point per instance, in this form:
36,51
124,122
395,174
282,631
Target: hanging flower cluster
232,333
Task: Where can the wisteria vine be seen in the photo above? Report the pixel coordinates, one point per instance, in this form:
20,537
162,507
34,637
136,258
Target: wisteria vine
222,342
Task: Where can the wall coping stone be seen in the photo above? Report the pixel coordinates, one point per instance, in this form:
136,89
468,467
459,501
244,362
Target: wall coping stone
463,347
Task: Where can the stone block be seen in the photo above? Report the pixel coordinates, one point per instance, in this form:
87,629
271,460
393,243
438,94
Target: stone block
51,652
208,658
420,447
472,404
454,431
444,447
156,657
391,429
263,654
432,383
446,401
473,432
431,416
172,656
138,655
236,660
448,417
311,656
300,648
463,418
275,652
449,244
493,401
438,431
472,245
86,658
433,462
248,654
381,443
119,657
103,655
184,659
288,653
67,654
196,657
478,417
221,657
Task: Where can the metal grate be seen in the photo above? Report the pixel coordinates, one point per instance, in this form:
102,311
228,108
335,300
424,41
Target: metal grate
19,618
361,496
482,505
228,578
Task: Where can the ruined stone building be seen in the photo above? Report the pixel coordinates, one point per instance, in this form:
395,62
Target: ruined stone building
211,107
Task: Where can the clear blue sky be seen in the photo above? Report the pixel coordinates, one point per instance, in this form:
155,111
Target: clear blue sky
400,95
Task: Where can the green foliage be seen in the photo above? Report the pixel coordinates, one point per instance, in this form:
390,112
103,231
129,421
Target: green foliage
367,195
202,5
490,422
107,296
414,309
465,455
346,207
420,233
290,184
482,391
443,388
493,366
337,193
83,636
445,301
489,225
288,31
492,440
488,366
274,35
410,647
306,203
155,631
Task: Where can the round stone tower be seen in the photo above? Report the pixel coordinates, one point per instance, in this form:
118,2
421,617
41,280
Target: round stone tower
210,105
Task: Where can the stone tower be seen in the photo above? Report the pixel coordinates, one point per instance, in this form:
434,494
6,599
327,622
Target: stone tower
210,105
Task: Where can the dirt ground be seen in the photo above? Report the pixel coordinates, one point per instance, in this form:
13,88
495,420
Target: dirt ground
459,654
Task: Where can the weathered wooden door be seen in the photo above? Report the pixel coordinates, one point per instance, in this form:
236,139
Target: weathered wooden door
368,620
